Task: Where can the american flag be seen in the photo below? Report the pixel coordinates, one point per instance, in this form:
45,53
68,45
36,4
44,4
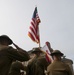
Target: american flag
33,32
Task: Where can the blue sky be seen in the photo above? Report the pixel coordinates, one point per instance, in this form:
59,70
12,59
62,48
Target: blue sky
57,23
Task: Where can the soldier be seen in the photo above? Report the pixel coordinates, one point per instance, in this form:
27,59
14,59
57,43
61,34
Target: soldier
57,67
8,54
16,68
38,64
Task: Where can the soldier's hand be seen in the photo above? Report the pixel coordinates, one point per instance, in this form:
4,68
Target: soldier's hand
16,46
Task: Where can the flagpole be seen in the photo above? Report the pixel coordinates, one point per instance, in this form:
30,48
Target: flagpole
39,38
38,21
39,45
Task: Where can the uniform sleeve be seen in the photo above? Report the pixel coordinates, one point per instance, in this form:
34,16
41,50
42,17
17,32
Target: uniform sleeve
15,54
69,70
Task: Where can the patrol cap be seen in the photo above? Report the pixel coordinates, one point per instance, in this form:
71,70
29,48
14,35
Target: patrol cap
5,37
35,50
56,52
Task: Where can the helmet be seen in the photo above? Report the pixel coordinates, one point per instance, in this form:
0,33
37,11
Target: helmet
5,37
55,52
35,50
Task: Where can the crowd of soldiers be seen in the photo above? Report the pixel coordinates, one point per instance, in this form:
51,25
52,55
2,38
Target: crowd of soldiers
12,60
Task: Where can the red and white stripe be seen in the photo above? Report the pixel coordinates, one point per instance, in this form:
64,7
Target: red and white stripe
34,29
